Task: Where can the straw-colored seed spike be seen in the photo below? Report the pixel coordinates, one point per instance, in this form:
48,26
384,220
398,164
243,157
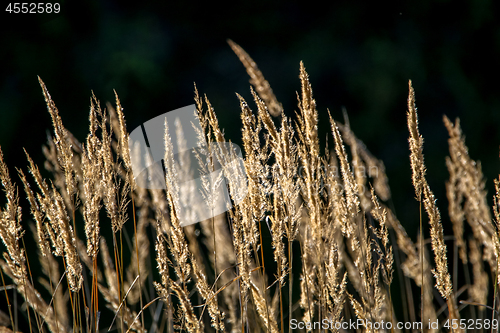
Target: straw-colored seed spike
13,264
335,289
456,213
264,116
213,122
383,234
171,169
91,167
62,221
37,215
307,105
111,189
347,176
467,186
358,309
453,192
306,298
479,290
177,243
192,323
443,279
288,157
124,145
257,80
11,230
411,267
359,168
216,316
262,309
416,144
62,142
45,202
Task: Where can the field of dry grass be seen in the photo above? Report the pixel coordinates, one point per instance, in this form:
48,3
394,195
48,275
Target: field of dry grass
313,246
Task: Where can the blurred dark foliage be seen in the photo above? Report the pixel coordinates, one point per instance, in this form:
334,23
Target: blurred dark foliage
359,56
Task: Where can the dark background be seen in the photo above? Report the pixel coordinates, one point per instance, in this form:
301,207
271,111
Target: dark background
359,56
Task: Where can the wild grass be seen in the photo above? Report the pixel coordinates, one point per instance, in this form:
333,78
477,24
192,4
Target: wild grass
313,243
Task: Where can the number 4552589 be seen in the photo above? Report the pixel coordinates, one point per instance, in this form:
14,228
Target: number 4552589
33,8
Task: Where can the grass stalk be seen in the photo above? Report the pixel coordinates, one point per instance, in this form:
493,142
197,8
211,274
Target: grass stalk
138,260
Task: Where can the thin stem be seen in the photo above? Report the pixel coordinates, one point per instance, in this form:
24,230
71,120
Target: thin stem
305,277
421,266
8,302
137,256
281,298
95,293
290,258
70,293
115,251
